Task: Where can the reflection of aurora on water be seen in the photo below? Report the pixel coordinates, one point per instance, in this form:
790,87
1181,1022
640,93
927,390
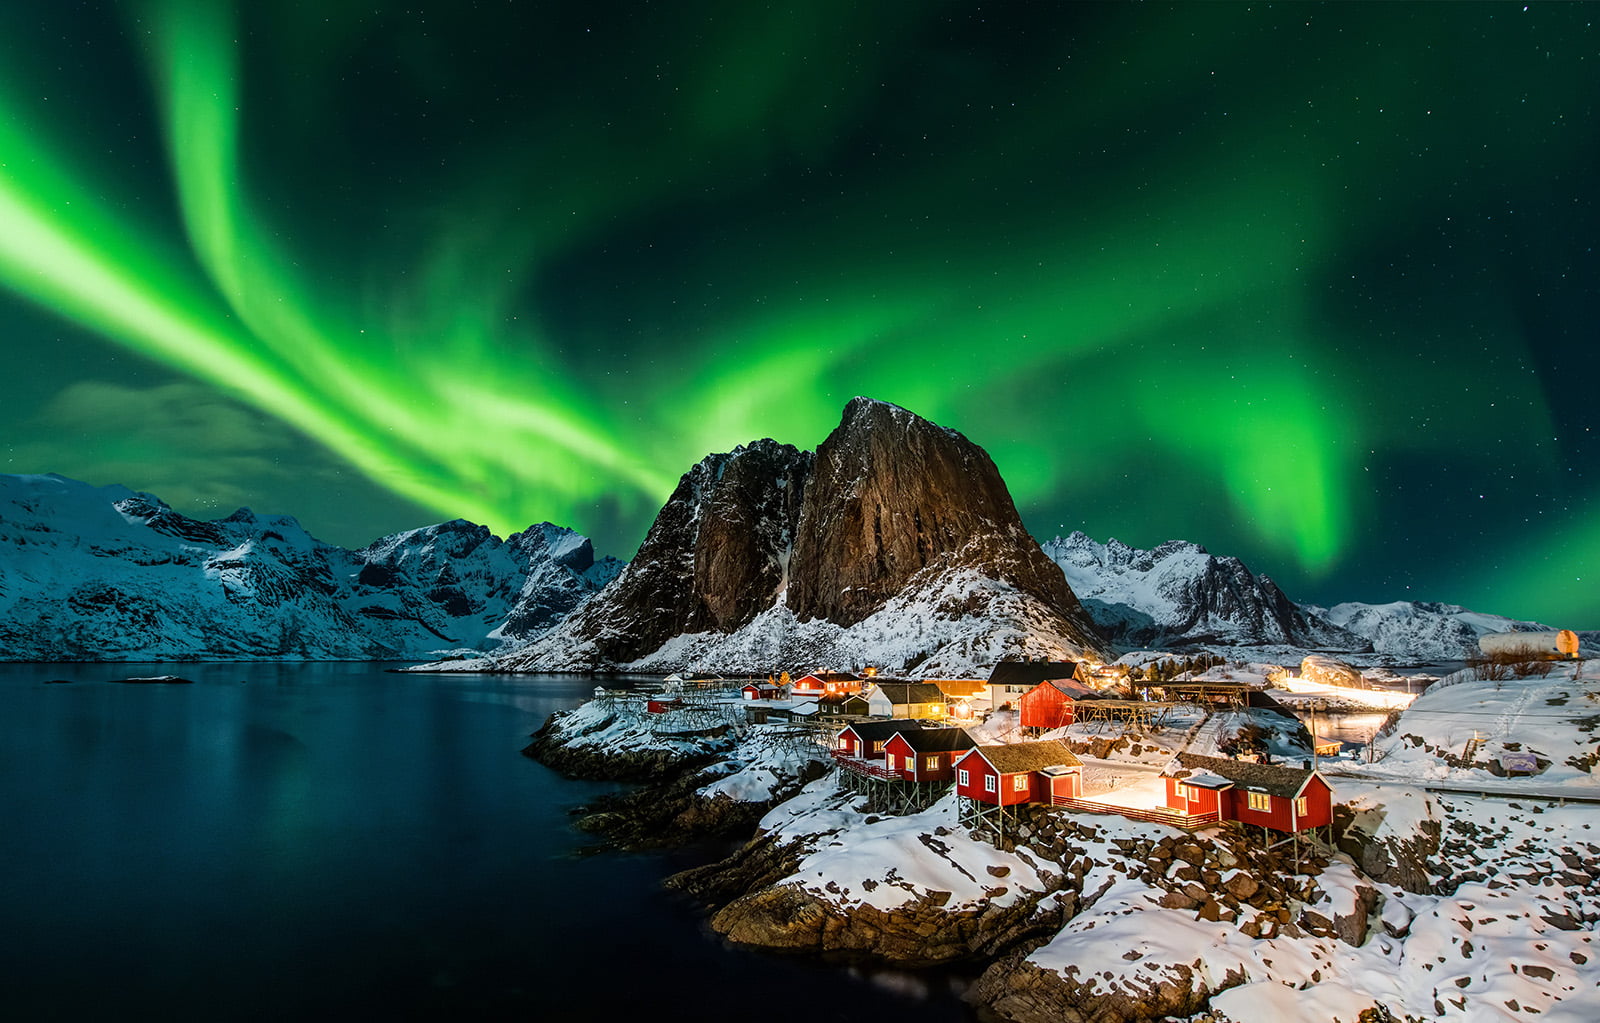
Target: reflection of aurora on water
1287,285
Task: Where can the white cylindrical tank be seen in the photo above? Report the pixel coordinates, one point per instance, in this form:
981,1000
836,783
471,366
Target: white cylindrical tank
1555,643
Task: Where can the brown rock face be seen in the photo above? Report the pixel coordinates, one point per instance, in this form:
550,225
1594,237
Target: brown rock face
714,557
891,494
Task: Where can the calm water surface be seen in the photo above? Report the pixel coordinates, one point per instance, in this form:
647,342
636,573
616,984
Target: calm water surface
310,841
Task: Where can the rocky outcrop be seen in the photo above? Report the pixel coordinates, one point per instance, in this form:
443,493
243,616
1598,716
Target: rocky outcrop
1178,594
781,554
923,932
554,748
1023,992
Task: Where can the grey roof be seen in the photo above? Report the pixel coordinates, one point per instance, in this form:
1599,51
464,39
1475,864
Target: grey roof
1020,673
939,740
1017,757
1269,778
911,692
870,731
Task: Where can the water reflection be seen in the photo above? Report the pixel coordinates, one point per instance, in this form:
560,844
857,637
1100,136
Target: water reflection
330,840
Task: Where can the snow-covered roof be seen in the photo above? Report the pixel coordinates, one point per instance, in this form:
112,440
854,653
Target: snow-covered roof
1019,757
1272,779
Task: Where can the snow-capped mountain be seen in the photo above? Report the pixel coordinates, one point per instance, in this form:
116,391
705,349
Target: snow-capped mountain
1178,594
105,573
896,544
1422,629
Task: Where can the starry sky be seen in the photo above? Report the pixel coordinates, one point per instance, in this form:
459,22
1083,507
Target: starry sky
1311,285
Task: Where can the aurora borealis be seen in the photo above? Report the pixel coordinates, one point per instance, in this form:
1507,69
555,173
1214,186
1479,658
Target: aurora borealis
1312,285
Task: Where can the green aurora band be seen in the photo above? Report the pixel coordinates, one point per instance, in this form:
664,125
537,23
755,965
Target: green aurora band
1169,300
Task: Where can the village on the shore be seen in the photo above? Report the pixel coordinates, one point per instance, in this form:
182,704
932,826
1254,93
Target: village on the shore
1361,817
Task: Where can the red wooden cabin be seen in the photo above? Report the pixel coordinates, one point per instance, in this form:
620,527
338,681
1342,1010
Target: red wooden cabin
927,754
760,691
1268,795
1019,772
1051,703
662,704
866,740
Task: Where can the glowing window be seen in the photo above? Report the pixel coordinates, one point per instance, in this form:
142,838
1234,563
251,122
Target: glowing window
1181,790
1260,801
1301,806
1019,783
930,763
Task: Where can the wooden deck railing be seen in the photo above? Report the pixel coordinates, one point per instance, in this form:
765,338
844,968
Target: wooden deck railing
867,768
1153,814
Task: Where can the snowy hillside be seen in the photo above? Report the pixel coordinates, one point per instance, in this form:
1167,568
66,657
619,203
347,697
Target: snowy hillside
1180,595
1549,718
105,573
1420,629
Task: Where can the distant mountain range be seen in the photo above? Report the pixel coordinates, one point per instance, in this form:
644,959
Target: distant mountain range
104,573
896,544
1178,595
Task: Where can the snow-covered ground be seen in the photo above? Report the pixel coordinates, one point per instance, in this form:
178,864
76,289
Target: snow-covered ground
1556,718
857,858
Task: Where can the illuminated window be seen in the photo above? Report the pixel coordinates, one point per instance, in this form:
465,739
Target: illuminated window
894,762
1301,806
1260,801
931,763
961,777
843,742
1019,783
877,747
1181,790
989,785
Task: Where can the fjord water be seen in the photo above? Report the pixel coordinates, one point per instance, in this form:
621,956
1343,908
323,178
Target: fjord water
308,841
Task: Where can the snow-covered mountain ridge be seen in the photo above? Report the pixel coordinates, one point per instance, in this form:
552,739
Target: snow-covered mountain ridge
109,574
1178,594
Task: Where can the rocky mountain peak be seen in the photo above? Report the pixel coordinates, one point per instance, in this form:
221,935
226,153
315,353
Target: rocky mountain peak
891,512
892,494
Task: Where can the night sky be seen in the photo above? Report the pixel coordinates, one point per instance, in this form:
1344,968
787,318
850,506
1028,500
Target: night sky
1311,285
